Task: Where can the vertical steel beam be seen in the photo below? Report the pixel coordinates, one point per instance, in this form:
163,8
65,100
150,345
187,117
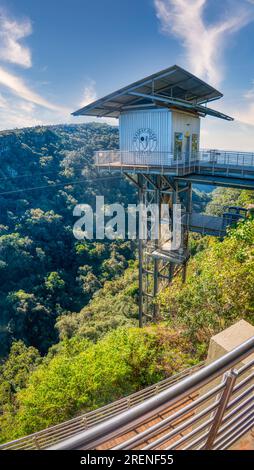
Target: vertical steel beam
224,399
189,198
140,283
140,259
150,190
156,245
184,272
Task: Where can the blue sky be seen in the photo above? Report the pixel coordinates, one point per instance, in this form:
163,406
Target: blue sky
56,55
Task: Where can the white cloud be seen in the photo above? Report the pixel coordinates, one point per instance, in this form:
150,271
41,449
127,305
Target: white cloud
11,33
244,112
203,43
3,102
89,94
21,105
249,94
17,86
17,112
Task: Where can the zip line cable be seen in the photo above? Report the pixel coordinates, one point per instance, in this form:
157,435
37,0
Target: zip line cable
60,184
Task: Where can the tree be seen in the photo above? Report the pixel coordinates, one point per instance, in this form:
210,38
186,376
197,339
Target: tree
219,287
31,321
36,239
82,376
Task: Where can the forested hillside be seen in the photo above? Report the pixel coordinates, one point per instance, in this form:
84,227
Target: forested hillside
44,271
88,369
69,308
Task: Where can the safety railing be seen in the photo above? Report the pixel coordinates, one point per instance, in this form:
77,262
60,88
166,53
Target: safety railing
220,409
215,225
209,161
54,434
223,157
134,158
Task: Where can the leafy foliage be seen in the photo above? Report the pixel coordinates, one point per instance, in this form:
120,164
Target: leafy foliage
14,375
219,287
45,272
86,293
222,197
79,375
116,304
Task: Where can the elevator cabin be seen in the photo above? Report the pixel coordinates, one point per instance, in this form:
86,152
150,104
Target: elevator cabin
161,132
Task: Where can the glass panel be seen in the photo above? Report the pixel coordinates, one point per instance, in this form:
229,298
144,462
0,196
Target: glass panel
187,148
178,145
194,145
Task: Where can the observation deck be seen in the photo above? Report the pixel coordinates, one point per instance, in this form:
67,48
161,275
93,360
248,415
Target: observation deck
159,151
216,163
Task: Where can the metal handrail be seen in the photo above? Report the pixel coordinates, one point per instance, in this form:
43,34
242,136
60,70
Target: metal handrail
205,160
167,158
46,437
160,426
116,425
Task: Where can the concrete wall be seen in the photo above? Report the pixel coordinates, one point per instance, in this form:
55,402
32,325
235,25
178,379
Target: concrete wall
229,339
222,343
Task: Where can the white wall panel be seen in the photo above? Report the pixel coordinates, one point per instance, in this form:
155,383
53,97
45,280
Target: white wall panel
156,124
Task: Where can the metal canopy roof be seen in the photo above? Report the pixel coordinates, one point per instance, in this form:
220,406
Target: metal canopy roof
172,87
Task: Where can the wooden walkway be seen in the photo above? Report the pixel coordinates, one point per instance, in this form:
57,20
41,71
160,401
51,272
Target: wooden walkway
113,442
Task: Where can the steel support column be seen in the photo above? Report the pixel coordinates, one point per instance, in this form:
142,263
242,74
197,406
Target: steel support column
157,272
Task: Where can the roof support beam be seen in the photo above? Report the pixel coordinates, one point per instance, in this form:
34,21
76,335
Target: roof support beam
124,91
182,103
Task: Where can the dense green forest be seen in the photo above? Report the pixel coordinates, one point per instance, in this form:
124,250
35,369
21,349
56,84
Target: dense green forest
44,271
89,368
69,336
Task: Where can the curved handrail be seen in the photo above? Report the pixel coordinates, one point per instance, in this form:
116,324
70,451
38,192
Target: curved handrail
62,431
171,395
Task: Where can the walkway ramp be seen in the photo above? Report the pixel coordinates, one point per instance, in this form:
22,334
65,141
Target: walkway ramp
207,224
208,408
56,434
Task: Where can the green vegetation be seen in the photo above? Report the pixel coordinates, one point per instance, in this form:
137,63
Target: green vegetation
90,367
78,375
45,273
115,305
222,197
219,287
68,325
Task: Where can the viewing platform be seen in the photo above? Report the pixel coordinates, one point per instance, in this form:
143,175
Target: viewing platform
205,162
159,152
